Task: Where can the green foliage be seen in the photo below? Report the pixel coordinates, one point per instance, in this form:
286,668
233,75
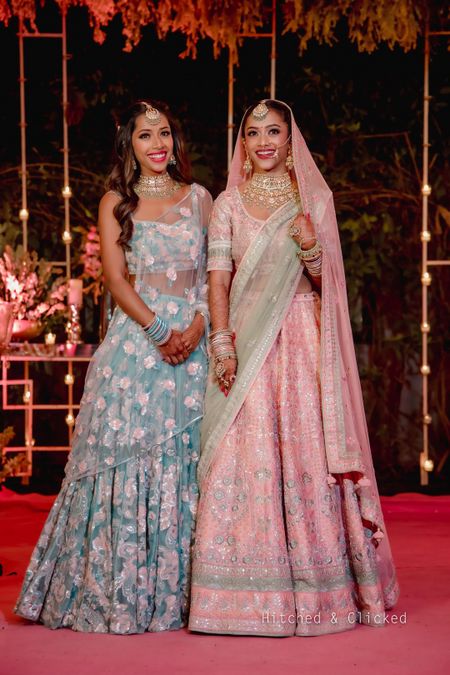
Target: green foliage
362,118
376,184
5,437
46,225
10,466
369,23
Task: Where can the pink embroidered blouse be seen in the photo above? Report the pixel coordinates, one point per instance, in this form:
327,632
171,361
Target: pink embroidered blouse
230,233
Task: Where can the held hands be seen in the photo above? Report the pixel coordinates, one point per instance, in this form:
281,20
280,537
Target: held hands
181,345
302,231
174,351
193,334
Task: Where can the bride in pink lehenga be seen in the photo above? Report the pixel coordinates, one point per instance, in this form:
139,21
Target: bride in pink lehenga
290,535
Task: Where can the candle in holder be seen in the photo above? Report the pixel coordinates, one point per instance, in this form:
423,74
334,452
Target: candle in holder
50,338
75,293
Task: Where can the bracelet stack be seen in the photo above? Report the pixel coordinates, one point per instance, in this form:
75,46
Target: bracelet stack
222,347
158,331
312,259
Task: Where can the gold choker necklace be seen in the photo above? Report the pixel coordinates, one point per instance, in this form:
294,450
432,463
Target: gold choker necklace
269,191
156,186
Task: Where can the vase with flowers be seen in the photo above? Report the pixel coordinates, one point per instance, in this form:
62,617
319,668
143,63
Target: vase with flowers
35,289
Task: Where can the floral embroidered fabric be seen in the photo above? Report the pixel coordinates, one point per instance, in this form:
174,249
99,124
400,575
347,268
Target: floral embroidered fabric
114,555
231,230
282,547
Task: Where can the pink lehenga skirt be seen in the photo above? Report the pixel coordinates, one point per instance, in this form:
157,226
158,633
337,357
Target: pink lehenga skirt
278,550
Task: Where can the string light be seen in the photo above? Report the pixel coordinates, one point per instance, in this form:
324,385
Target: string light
66,192
425,369
67,237
426,278
426,190
428,465
425,236
70,420
27,396
425,327
23,214
427,419
69,378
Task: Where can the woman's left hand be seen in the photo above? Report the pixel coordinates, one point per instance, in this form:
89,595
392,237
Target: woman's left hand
193,334
302,231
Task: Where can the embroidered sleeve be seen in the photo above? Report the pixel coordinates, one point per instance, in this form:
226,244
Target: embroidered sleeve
205,204
219,236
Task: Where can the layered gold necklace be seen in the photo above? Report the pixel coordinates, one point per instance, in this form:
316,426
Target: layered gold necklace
156,187
270,191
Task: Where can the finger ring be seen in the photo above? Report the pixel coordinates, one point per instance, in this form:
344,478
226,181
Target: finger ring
294,230
232,378
220,370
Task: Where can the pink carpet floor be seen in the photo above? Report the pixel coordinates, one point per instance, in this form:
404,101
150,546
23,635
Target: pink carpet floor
419,528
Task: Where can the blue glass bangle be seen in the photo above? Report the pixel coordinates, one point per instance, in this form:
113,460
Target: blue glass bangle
158,331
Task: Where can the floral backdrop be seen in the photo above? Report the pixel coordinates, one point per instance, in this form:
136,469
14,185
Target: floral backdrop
395,22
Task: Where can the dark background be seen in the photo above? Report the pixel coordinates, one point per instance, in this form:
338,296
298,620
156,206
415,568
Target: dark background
361,116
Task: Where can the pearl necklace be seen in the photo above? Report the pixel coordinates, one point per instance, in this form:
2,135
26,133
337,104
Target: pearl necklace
156,187
269,191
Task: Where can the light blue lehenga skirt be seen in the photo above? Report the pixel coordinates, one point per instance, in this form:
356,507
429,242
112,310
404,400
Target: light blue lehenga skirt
114,554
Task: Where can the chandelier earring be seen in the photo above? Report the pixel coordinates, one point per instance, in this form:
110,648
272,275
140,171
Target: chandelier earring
172,160
247,166
289,159
133,164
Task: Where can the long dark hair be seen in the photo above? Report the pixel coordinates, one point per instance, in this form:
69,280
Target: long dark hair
123,175
278,106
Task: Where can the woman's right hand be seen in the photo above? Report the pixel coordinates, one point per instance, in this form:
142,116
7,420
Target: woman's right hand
306,236
227,379
174,351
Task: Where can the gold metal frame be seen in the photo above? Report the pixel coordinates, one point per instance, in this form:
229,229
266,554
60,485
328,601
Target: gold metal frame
53,354
48,353
66,189
273,64
426,464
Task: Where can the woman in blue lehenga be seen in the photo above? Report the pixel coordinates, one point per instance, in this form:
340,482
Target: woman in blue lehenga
114,554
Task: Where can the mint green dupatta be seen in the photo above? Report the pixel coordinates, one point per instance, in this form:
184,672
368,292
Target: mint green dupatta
261,294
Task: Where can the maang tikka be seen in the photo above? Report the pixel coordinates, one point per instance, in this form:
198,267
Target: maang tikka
260,111
152,114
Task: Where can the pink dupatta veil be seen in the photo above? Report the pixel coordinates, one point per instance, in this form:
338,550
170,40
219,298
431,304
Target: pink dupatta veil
345,428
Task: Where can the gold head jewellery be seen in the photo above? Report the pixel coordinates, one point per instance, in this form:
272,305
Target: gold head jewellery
156,187
260,112
152,114
269,191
